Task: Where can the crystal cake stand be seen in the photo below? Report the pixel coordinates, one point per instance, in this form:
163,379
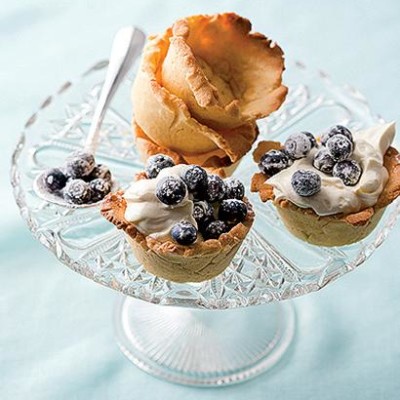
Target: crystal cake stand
186,342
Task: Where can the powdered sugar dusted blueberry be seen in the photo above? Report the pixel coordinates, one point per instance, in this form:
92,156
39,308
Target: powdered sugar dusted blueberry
273,162
306,183
203,213
100,187
323,161
336,130
184,233
299,145
77,191
215,229
349,171
100,171
171,190
232,211
80,164
234,189
195,178
311,137
340,147
156,163
216,188
54,179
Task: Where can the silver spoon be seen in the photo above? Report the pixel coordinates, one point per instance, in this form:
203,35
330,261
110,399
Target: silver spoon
127,46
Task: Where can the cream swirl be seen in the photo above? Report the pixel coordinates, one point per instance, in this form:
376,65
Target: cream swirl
370,146
150,215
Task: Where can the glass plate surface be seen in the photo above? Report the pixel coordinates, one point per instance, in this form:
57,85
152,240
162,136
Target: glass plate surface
271,265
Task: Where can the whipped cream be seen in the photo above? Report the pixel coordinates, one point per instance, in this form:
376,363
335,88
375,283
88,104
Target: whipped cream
150,215
370,146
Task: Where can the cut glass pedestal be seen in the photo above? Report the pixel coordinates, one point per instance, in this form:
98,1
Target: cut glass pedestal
200,347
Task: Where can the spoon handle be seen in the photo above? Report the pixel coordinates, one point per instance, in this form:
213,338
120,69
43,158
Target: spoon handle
127,45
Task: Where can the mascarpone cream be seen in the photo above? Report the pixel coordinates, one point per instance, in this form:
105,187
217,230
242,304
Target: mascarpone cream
150,215
370,146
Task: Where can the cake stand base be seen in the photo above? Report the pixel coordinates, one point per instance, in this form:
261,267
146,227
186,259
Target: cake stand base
203,347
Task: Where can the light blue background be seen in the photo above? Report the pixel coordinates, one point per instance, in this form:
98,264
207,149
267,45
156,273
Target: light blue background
56,335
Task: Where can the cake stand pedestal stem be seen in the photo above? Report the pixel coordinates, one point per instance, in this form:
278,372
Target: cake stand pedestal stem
203,347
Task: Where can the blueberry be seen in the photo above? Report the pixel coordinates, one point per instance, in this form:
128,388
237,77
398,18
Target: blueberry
216,188
323,161
312,138
232,211
203,213
184,233
306,183
171,190
214,229
195,178
80,164
299,145
273,162
77,191
100,171
156,163
234,189
54,179
340,147
336,130
349,171
100,187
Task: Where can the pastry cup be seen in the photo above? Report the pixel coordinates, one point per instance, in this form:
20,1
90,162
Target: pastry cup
180,92
331,230
169,260
225,75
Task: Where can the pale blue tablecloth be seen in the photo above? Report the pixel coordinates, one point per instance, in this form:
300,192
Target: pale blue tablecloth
56,335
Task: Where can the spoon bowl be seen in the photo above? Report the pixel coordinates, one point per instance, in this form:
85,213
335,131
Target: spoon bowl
41,191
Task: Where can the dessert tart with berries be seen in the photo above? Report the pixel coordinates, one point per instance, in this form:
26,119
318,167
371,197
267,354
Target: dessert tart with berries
201,86
333,191
183,224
